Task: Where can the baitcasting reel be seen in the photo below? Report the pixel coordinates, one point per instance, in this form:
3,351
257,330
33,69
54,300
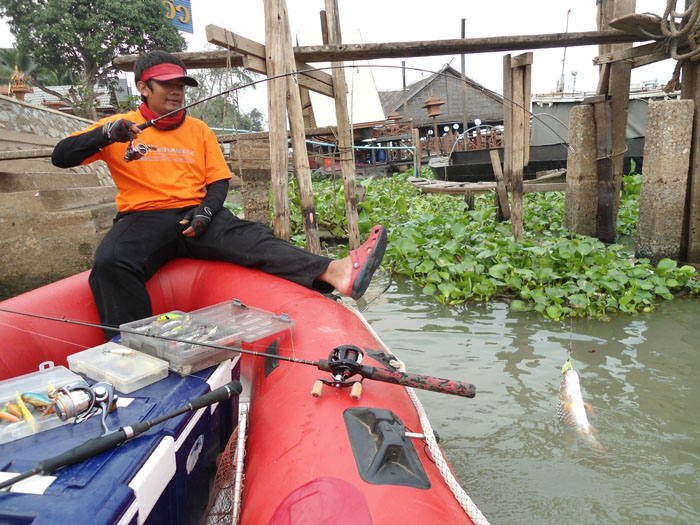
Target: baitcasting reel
344,361
81,402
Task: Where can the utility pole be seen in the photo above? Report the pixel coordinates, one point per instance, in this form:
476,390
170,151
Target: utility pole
560,87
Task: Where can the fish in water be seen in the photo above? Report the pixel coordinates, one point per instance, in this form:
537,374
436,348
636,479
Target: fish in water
571,409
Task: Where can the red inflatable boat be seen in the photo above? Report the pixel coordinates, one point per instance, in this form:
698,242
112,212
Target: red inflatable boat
309,459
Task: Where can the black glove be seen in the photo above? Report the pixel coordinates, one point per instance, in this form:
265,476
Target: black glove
199,219
117,131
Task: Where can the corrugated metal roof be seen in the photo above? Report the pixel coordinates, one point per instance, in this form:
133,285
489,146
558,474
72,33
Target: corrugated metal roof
104,96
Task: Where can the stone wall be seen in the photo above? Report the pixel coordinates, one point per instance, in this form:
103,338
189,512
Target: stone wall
22,117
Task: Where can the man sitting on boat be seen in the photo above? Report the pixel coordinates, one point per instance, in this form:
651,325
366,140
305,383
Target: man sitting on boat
172,183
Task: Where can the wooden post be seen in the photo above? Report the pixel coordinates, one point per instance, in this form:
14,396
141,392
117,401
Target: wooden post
615,82
518,157
508,121
690,89
301,158
277,116
602,115
345,143
501,191
465,119
418,152
519,137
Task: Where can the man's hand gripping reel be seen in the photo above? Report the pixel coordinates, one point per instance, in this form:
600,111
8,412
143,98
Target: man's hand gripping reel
137,150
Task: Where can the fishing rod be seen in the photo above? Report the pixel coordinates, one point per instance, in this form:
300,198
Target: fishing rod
339,364
95,446
473,84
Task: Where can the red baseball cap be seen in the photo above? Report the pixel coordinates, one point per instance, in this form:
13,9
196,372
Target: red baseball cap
167,71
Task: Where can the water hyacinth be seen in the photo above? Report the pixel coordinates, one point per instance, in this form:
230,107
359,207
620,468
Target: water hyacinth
457,255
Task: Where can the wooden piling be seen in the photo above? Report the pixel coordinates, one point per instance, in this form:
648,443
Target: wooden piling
690,89
296,127
516,73
277,115
345,143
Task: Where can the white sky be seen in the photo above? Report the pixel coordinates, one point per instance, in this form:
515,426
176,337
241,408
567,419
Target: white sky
413,20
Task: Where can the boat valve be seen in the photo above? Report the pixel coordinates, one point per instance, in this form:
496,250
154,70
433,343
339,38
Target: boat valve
344,362
81,402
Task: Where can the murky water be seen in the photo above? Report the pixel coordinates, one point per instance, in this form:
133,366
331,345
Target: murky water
641,374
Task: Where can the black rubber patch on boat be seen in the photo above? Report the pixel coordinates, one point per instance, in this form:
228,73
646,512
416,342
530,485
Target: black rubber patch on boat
382,454
271,363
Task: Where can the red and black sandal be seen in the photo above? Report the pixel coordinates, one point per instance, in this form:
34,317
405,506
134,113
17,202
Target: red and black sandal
365,261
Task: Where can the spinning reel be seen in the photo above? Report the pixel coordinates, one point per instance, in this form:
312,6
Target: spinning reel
136,150
81,402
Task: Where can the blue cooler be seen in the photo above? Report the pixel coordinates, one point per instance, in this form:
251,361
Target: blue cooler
161,476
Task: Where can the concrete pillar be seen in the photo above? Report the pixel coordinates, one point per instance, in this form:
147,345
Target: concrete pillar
664,179
581,205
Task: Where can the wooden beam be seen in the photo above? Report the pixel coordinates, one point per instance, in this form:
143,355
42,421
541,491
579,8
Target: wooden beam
256,135
277,116
254,59
301,158
345,143
371,51
193,60
459,188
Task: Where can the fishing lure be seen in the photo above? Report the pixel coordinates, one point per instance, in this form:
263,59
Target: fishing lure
36,400
8,416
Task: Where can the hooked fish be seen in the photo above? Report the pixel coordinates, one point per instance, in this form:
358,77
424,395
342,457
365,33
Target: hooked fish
571,409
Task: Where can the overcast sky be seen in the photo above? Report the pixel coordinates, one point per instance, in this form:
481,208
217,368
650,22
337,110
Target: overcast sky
412,20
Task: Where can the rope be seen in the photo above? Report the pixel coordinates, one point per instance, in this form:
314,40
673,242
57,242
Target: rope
688,26
613,155
459,493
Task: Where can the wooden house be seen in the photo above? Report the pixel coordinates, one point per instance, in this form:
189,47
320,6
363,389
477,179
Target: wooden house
447,85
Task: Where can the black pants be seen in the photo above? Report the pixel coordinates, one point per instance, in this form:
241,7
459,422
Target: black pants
140,243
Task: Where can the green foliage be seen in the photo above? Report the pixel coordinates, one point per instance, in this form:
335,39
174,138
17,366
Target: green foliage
223,111
85,36
457,255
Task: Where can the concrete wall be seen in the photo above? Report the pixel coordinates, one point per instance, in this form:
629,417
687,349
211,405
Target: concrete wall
52,219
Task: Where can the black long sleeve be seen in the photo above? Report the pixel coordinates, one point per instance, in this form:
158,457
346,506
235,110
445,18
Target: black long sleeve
72,151
216,195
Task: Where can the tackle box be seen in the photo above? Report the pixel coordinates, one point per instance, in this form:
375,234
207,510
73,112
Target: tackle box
225,324
159,477
125,368
38,383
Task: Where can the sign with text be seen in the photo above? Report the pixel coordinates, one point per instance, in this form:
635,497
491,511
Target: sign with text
179,12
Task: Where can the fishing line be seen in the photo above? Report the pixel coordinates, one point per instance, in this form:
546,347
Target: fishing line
468,81
331,365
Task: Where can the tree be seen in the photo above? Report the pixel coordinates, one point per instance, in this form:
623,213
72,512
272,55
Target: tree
36,75
223,111
85,36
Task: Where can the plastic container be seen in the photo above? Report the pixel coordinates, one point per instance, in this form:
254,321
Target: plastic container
126,369
37,383
178,334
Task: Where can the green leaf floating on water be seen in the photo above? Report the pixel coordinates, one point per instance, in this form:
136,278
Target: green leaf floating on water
455,255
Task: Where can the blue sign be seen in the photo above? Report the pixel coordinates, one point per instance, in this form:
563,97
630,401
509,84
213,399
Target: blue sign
179,12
